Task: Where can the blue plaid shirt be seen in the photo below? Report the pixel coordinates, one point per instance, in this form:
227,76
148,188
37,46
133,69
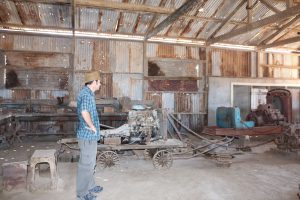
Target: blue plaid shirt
86,102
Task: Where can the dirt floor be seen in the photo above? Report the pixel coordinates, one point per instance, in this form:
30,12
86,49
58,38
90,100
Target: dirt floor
262,174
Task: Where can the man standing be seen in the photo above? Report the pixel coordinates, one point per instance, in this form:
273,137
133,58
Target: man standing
88,133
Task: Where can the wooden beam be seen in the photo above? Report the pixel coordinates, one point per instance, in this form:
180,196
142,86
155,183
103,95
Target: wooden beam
143,9
227,19
282,28
129,7
187,6
46,1
266,21
289,3
281,66
281,42
270,6
249,8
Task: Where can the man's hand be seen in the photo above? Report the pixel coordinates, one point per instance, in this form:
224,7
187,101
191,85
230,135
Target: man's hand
87,118
92,129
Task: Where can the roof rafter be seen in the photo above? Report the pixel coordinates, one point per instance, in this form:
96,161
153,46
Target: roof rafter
257,24
281,29
129,7
187,6
281,42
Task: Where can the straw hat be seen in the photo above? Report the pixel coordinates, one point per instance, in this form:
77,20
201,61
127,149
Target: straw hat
91,76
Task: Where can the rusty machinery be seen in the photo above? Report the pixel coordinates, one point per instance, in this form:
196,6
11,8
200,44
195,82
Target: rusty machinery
143,126
278,110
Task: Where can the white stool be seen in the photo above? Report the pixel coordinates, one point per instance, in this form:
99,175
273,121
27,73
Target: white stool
44,156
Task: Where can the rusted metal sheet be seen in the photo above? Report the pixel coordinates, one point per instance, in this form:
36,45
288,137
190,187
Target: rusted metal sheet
106,90
127,23
156,97
173,68
188,102
229,63
101,56
23,94
34,60
166,51
29,13
155,50
83,54
183,102
128,57
6,41
9,13
109,20
42,44
261,130
143,23
173,85
87,18
39,79
57,15
128,85
14,175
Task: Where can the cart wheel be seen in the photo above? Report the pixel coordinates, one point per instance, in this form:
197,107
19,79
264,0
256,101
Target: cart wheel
107,159
162,159
149,153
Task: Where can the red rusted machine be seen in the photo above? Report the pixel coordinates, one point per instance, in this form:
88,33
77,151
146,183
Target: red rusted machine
277,109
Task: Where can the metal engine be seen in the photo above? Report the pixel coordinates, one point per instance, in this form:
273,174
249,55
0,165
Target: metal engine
265,114
290,139
142,126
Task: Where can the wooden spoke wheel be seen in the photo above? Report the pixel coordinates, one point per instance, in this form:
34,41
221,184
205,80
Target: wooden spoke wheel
163,159
107,159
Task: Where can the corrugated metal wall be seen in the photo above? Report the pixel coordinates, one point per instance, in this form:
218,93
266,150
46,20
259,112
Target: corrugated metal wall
176,81
42,65
181,70
223,62
121,64
274,65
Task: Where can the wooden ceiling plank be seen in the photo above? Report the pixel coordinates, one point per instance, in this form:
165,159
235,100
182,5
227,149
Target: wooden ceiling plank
257,24
187,6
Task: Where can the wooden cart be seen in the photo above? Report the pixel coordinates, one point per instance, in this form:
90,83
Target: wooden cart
160,151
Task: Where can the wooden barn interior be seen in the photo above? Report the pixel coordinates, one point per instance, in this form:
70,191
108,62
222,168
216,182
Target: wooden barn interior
192,61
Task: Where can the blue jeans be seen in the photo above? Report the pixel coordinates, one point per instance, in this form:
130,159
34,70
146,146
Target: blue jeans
86,166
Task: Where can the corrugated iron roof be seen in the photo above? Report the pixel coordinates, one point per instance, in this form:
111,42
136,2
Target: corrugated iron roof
204,18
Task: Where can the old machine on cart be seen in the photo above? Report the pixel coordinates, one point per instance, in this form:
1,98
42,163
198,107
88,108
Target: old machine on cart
144,132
